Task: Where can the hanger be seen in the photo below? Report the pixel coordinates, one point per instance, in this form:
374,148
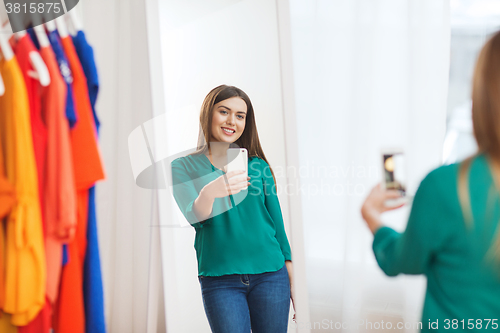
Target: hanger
41,72
51,26
75,23
61,27
7,52
5,34
41,35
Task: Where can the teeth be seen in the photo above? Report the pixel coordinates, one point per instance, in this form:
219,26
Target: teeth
228,131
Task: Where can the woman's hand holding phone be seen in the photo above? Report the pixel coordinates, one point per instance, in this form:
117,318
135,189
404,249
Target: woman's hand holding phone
231,183
375,205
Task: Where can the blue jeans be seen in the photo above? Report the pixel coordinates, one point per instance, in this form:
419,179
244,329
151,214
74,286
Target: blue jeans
237,302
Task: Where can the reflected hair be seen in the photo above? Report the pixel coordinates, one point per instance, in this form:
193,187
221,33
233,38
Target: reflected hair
249,139
486,127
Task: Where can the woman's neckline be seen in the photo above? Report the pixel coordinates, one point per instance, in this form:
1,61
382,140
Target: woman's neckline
213,166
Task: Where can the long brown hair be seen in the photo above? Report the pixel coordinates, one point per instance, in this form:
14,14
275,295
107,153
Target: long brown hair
486,125
249,139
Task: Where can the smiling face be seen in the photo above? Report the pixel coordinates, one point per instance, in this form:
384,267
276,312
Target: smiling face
228,120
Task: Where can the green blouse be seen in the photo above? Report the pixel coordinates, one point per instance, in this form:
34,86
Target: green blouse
245,232
462,283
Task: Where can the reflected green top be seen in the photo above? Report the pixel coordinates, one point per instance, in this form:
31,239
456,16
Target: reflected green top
461,282
245,232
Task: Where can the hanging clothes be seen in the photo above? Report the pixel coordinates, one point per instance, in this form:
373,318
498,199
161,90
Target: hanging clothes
88,170
86,57
71,110
25,255
55,42
92,277
7,201
60,191
22,49
65,71
6,324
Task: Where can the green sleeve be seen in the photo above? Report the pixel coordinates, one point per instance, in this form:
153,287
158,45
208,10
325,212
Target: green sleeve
412,251
185,193
273,207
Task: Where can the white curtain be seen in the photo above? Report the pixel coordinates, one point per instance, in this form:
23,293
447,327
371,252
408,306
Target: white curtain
369,74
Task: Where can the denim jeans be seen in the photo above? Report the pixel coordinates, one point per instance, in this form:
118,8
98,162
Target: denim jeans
237,302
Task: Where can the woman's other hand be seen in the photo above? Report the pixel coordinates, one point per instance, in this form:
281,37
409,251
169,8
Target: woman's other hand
289,268
374,206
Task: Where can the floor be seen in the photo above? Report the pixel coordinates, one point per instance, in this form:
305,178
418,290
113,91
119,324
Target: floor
358,297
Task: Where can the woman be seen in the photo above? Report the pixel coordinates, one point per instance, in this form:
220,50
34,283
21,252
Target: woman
244,258
453,233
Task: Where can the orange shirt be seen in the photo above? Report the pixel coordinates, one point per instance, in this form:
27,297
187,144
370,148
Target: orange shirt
7,200
23,49
6,325
60,191
25,274
88,169
86,154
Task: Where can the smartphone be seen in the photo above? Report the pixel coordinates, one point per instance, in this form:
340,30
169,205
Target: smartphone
237,159
394,175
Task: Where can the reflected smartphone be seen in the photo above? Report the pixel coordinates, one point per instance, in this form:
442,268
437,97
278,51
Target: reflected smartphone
237,159
394,175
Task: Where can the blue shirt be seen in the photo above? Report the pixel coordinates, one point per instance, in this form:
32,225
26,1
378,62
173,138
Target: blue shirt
92,276
86,56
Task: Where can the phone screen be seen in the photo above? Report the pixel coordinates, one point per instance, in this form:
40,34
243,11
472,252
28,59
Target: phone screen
394,172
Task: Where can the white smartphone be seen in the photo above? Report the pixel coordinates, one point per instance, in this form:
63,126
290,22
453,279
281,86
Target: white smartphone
394,175
237,159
